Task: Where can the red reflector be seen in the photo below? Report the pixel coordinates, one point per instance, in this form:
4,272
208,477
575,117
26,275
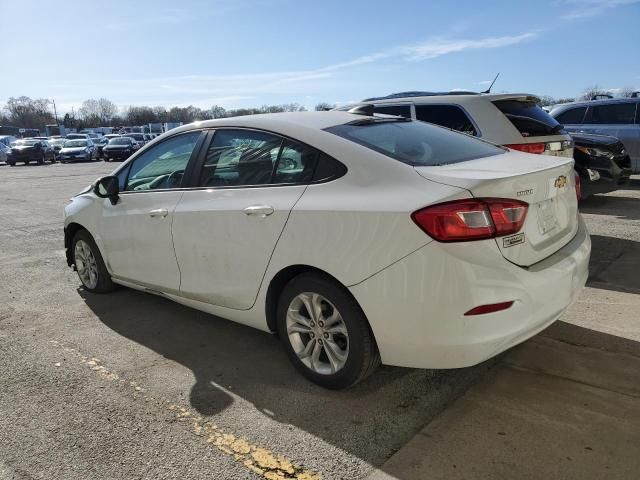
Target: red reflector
528,147
578,186
494,307
475,219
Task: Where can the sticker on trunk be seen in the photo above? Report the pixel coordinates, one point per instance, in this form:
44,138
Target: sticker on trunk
512,240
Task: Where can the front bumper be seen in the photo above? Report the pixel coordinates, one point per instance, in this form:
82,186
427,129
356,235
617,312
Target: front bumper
73,157
116,154
416,306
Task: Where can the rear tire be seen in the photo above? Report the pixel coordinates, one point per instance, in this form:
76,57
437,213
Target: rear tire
89,264
333,346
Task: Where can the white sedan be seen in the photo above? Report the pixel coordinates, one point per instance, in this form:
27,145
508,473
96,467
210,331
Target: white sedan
358,238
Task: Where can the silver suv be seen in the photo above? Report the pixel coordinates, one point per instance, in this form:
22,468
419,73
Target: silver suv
615,117
513,120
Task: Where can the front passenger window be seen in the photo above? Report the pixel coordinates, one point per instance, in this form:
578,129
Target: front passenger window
163,165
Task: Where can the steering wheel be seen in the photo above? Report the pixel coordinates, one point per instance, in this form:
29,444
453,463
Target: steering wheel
166,181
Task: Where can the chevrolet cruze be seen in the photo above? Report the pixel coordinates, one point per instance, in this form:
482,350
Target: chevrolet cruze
357,238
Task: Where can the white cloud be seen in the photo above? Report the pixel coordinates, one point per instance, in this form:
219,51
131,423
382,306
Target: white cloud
205,90
591,8
437,48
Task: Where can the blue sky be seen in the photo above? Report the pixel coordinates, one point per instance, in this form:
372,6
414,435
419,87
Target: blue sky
248,53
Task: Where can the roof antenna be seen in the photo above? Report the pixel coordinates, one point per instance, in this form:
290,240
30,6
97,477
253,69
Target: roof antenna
488,90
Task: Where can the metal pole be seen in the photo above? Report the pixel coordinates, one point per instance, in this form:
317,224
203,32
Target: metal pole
55,112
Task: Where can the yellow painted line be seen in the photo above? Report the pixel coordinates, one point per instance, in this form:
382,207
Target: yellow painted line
260,461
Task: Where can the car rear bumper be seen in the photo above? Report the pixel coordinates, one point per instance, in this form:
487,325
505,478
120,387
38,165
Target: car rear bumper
416,306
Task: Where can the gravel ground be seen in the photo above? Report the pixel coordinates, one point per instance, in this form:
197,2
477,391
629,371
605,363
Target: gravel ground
129,385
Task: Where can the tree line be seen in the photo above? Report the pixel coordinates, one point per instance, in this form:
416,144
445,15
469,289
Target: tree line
26,112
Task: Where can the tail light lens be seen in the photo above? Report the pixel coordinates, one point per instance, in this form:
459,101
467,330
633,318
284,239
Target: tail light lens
537,148
476,219
578,185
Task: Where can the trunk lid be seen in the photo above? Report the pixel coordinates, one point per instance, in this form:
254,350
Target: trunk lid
546,183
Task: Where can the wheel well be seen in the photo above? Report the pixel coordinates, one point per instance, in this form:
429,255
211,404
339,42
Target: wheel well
278,282
70,232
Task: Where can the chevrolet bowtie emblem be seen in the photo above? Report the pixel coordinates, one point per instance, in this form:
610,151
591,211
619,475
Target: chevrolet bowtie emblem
560,182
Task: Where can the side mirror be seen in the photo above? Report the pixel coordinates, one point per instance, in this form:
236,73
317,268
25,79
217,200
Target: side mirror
107,187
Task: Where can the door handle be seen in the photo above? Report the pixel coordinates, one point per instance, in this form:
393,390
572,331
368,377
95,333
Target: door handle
159,212
259,210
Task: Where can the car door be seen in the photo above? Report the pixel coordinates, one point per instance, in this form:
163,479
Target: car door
136,231
226,229
618,120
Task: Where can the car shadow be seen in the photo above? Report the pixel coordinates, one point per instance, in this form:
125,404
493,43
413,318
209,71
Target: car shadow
614,264
622,207
581,336
371,420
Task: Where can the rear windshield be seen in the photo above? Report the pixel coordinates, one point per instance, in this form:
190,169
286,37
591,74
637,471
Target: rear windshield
415,143
120,141
528,118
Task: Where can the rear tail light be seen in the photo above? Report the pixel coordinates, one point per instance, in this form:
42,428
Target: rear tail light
528,147
578,185
539,148
476,219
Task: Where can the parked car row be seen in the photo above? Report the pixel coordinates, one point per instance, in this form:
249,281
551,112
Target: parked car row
75,147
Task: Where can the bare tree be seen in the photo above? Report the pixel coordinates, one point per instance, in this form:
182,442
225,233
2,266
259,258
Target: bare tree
90,113
218,112
592,91
322,106
627,92
29,113
106,110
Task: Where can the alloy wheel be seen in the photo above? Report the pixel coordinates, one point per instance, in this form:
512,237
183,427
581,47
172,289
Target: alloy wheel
317,333
86,264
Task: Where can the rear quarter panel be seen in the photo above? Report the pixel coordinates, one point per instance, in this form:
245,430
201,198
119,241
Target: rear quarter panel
361,223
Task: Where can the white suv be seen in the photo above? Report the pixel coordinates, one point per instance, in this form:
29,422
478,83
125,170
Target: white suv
513,120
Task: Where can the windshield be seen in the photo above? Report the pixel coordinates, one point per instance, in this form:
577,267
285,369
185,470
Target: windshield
29,143
57,141
415,143
75,143
120,141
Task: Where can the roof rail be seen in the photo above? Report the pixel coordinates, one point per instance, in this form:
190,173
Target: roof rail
419,94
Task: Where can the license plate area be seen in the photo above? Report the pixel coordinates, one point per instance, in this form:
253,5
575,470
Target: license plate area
547,216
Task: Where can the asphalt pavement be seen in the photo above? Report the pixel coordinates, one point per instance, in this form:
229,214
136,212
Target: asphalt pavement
130,385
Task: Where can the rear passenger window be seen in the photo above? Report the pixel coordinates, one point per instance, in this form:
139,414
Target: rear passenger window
295,164
247,158
572,116
399,110
328,168
448,116
614,113
240,157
